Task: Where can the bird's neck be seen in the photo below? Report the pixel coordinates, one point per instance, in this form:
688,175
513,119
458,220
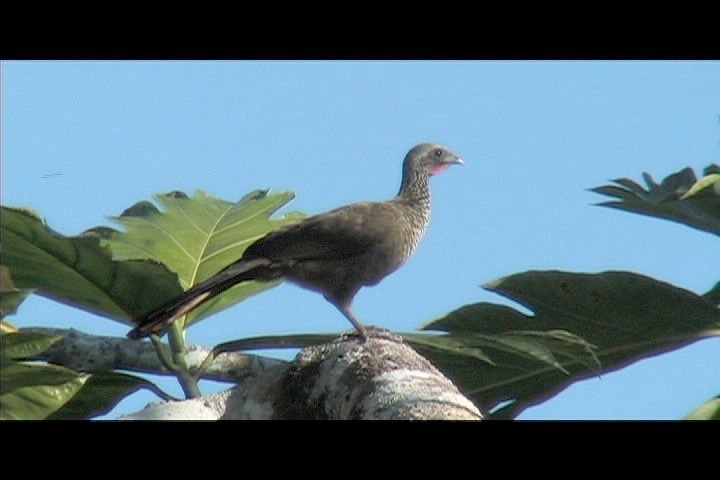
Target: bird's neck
413,201
415,190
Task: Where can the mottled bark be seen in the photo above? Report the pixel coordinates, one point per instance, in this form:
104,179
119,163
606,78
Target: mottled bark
346,379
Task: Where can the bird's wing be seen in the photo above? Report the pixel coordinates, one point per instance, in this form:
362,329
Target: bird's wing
339,233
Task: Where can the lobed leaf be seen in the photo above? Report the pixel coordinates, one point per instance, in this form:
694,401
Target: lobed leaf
680,197
196,237
78,271
589,323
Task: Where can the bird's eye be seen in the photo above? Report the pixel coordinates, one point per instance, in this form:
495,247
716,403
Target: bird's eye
438,153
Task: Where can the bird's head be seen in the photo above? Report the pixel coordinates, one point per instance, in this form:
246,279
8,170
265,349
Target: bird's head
429,159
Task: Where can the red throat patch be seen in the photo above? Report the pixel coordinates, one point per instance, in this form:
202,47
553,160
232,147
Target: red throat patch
440,169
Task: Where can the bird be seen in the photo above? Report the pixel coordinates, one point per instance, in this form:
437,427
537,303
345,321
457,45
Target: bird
334,253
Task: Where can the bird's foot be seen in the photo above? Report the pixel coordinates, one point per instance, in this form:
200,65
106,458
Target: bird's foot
360,333
364,333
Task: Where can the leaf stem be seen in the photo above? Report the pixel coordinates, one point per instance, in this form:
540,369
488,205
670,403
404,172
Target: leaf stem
176,361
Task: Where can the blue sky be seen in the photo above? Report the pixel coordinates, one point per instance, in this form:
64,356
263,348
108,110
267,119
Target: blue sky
535,135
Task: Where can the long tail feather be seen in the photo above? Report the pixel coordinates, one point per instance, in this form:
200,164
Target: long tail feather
159,321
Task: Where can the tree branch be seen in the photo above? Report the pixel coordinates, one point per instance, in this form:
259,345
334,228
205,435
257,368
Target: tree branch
92,353
380,379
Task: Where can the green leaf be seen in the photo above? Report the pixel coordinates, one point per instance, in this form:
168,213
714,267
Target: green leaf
710,169
549,349
10,296
39,390
196,237
458,347
274,341
23,374
708,185
33,392
10,301
79,272
585,321
25,344
7,327
99,395
634,188
680,197
714,294
707,411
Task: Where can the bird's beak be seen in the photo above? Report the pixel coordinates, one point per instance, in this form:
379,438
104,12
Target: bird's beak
454,160
446,164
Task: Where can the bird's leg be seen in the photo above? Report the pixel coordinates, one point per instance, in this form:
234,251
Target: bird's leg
345,310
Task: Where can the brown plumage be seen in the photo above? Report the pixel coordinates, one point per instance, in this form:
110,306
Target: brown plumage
334,253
